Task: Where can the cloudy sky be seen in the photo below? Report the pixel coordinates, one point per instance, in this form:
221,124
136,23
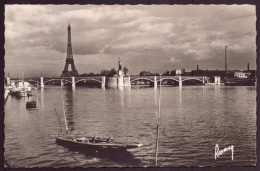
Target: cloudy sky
152,37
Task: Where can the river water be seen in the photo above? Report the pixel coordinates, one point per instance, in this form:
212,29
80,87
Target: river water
193,120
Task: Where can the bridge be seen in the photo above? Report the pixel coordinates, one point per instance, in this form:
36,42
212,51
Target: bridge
180,79
154,80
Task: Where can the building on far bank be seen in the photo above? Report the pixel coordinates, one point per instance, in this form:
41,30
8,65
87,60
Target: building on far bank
223,73
241,74
180,71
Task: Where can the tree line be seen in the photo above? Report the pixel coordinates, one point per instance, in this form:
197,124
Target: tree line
113,71
105,72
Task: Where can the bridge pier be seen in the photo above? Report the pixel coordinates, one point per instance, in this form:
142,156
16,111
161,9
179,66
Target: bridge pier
42,83
203,80
103,81
61,83
180,81
155,82
73,82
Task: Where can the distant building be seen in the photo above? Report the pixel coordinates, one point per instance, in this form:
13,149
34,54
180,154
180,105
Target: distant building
252,73
180,71
212,73
145,73
242,74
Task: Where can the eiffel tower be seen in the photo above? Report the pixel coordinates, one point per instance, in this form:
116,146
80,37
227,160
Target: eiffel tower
69,59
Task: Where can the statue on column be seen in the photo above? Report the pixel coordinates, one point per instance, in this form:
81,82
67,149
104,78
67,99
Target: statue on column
120,72
119,64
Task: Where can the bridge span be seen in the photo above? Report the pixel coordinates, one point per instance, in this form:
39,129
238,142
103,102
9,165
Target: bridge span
180,79
155,80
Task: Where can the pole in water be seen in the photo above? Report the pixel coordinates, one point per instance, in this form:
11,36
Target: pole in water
226,58
158,123
37,98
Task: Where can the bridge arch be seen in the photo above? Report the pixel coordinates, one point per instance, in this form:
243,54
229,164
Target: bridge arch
187,79
57,80
147,79
168,79
16,81
88,80
38,82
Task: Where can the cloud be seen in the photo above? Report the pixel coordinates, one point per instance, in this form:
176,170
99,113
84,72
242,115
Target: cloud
144,37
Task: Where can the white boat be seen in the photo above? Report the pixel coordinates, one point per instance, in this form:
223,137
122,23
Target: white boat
20,89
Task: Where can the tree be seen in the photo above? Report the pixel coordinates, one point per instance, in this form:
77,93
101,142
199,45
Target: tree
112,72
166,73
145,73
108,73
104,72
125,70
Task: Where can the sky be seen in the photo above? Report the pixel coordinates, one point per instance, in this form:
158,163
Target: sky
154,38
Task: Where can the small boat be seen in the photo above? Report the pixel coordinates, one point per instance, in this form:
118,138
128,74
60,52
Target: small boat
93,142
30,104
29,93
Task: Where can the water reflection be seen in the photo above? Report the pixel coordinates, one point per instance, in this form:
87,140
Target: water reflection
155,96
121,156
193,120
69,107
180,94
42,98
121,96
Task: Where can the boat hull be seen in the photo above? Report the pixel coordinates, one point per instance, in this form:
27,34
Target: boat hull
31,104
73,143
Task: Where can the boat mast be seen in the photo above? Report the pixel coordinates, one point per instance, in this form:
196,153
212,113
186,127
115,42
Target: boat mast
158,122
65,119
226,59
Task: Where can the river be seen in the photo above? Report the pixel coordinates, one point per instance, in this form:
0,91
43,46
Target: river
193,120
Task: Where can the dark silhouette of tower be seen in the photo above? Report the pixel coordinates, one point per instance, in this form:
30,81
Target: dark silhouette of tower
69,59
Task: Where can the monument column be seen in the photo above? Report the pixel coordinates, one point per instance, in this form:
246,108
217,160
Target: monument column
120,78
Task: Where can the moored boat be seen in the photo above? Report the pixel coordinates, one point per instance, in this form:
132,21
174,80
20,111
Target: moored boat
31,104
93,142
